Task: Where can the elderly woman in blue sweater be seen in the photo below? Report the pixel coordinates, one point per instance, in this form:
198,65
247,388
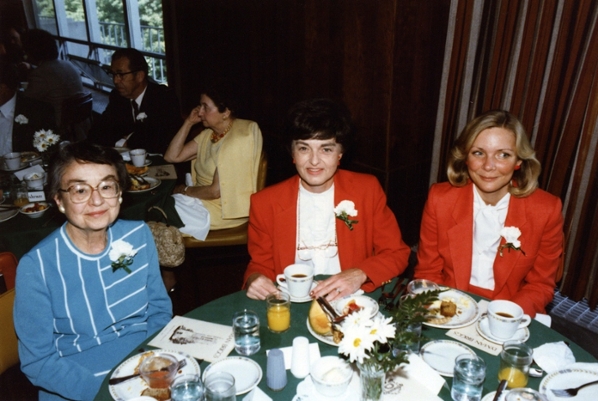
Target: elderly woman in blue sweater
91,291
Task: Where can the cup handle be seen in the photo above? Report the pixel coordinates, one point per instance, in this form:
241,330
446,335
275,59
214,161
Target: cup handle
281,280
525,321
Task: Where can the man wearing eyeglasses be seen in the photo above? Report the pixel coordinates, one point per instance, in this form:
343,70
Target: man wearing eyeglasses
140,112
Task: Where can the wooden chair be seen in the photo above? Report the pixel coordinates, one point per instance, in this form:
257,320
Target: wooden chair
235,235
9,355
8,269
75,115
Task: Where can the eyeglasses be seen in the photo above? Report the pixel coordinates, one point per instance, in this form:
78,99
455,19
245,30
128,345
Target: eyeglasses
119,75
306,252
80,193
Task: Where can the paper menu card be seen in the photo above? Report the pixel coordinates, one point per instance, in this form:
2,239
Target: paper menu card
202,340
469,335
413,381
163,172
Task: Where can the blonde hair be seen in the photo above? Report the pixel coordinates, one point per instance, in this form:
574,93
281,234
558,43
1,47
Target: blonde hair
526,178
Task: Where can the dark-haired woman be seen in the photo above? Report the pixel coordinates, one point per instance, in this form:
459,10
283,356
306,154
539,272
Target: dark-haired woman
91,291
490,230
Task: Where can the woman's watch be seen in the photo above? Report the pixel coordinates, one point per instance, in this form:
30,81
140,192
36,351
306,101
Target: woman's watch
185,190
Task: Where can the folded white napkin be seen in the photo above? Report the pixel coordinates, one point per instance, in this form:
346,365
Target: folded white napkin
33,169
257,395
195,216
553,356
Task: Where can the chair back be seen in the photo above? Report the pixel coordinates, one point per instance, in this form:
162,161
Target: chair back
76,110
9,354
8,269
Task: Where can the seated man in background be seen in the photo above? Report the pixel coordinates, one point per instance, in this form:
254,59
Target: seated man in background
140,113
20,117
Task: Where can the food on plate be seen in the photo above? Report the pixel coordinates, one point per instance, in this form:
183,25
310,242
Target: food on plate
132,170
351,307
444,310
142,357
26,157
318,319
160,394
37,207
138,185
448,308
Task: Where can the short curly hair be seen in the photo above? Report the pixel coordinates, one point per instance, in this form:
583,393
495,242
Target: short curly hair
526,178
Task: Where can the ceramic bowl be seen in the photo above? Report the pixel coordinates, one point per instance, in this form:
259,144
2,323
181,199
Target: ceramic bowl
35,180
331,375
35,210
362,301
421,285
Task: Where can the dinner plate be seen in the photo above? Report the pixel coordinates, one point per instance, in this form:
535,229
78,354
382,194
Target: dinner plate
568,378
132,388
440,355
325,339
361,300
467,310
483,329
247,372
154,182
490,396
307,390
8,214
28,157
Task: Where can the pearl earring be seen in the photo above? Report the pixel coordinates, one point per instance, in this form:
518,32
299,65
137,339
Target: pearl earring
120,200
61,209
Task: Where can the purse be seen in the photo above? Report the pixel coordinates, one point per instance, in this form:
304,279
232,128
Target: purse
169,241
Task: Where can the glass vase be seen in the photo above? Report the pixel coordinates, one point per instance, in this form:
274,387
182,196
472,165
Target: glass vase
372,382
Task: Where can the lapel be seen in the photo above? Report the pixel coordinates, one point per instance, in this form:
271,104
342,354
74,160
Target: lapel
504,265
285,223
460,236
342,191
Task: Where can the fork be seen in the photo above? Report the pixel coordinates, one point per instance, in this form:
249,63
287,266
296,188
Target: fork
571,392
117,380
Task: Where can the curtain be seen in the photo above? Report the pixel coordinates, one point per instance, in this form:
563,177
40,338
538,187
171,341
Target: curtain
539,60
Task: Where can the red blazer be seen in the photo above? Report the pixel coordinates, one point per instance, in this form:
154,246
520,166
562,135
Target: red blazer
446,243
374,245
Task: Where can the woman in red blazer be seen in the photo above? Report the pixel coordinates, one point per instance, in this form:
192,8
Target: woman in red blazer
359,254
493,179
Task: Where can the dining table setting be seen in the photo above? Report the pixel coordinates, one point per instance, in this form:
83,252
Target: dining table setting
466,348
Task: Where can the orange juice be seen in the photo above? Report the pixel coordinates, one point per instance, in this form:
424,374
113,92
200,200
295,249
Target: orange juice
279,317
21,202
515,378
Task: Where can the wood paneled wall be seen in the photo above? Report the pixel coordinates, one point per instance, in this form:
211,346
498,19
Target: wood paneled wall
382,58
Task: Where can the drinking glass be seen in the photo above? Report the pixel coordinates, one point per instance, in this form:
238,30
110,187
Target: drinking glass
468,378
220,386
515,360
187,388
278,311
246,328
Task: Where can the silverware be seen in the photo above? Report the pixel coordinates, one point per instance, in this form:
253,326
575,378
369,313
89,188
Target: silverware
571,392
117,380
501,387
9,207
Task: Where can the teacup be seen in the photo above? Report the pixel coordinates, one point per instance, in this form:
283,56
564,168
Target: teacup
296,280
12,160
505,318
138,157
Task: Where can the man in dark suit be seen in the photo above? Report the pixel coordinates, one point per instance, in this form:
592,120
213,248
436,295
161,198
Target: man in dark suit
20,117
140,113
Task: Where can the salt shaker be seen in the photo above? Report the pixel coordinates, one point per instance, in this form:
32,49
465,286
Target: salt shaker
300,360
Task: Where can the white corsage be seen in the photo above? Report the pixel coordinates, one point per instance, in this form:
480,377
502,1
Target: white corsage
121,254
21,119
141,116
45,139
511,236
345,209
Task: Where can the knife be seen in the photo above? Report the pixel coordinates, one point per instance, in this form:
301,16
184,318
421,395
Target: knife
501,387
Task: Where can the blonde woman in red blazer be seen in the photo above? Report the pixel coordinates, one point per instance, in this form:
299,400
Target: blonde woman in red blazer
369,253
493,157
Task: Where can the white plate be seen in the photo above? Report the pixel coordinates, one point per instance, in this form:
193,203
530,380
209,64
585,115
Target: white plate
441,354
467,310
154,182
246,371
483,329
490,396
132,388
307,390
28,157
568,378
325,339
361,300
299,300
8,214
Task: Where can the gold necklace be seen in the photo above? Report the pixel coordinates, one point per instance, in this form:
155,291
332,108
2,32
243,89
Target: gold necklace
216,137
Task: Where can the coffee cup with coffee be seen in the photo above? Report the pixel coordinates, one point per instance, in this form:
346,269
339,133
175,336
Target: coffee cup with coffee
505,318
296,280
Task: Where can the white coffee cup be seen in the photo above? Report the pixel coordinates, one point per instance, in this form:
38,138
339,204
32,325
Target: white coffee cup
138,157
12,160
505,318
296,280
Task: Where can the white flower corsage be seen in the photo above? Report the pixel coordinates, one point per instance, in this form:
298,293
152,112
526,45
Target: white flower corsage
141,116
21,119
44,139
121,254
345,209
511,236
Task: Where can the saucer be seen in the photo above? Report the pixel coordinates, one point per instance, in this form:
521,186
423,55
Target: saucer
299,300
483,329
307,390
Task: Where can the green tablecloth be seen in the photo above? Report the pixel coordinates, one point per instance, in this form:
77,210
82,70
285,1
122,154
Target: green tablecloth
222,309
19,234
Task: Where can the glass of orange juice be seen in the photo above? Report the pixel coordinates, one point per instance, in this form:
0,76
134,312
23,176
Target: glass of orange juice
515,360
278,311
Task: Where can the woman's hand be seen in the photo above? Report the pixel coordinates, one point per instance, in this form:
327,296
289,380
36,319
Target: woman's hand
259,286
194,116
340,285
179,189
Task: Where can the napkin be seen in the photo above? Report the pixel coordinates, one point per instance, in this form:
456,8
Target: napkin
553,357
33,169
314,354
256,395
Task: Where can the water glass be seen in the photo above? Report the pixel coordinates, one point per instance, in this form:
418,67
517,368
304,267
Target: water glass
468,378
246,328
220,386
187,388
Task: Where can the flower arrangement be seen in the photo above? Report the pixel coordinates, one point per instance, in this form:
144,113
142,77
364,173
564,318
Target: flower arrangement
411,311
511,236
141,116
344,210
43,140
121,254
21,119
